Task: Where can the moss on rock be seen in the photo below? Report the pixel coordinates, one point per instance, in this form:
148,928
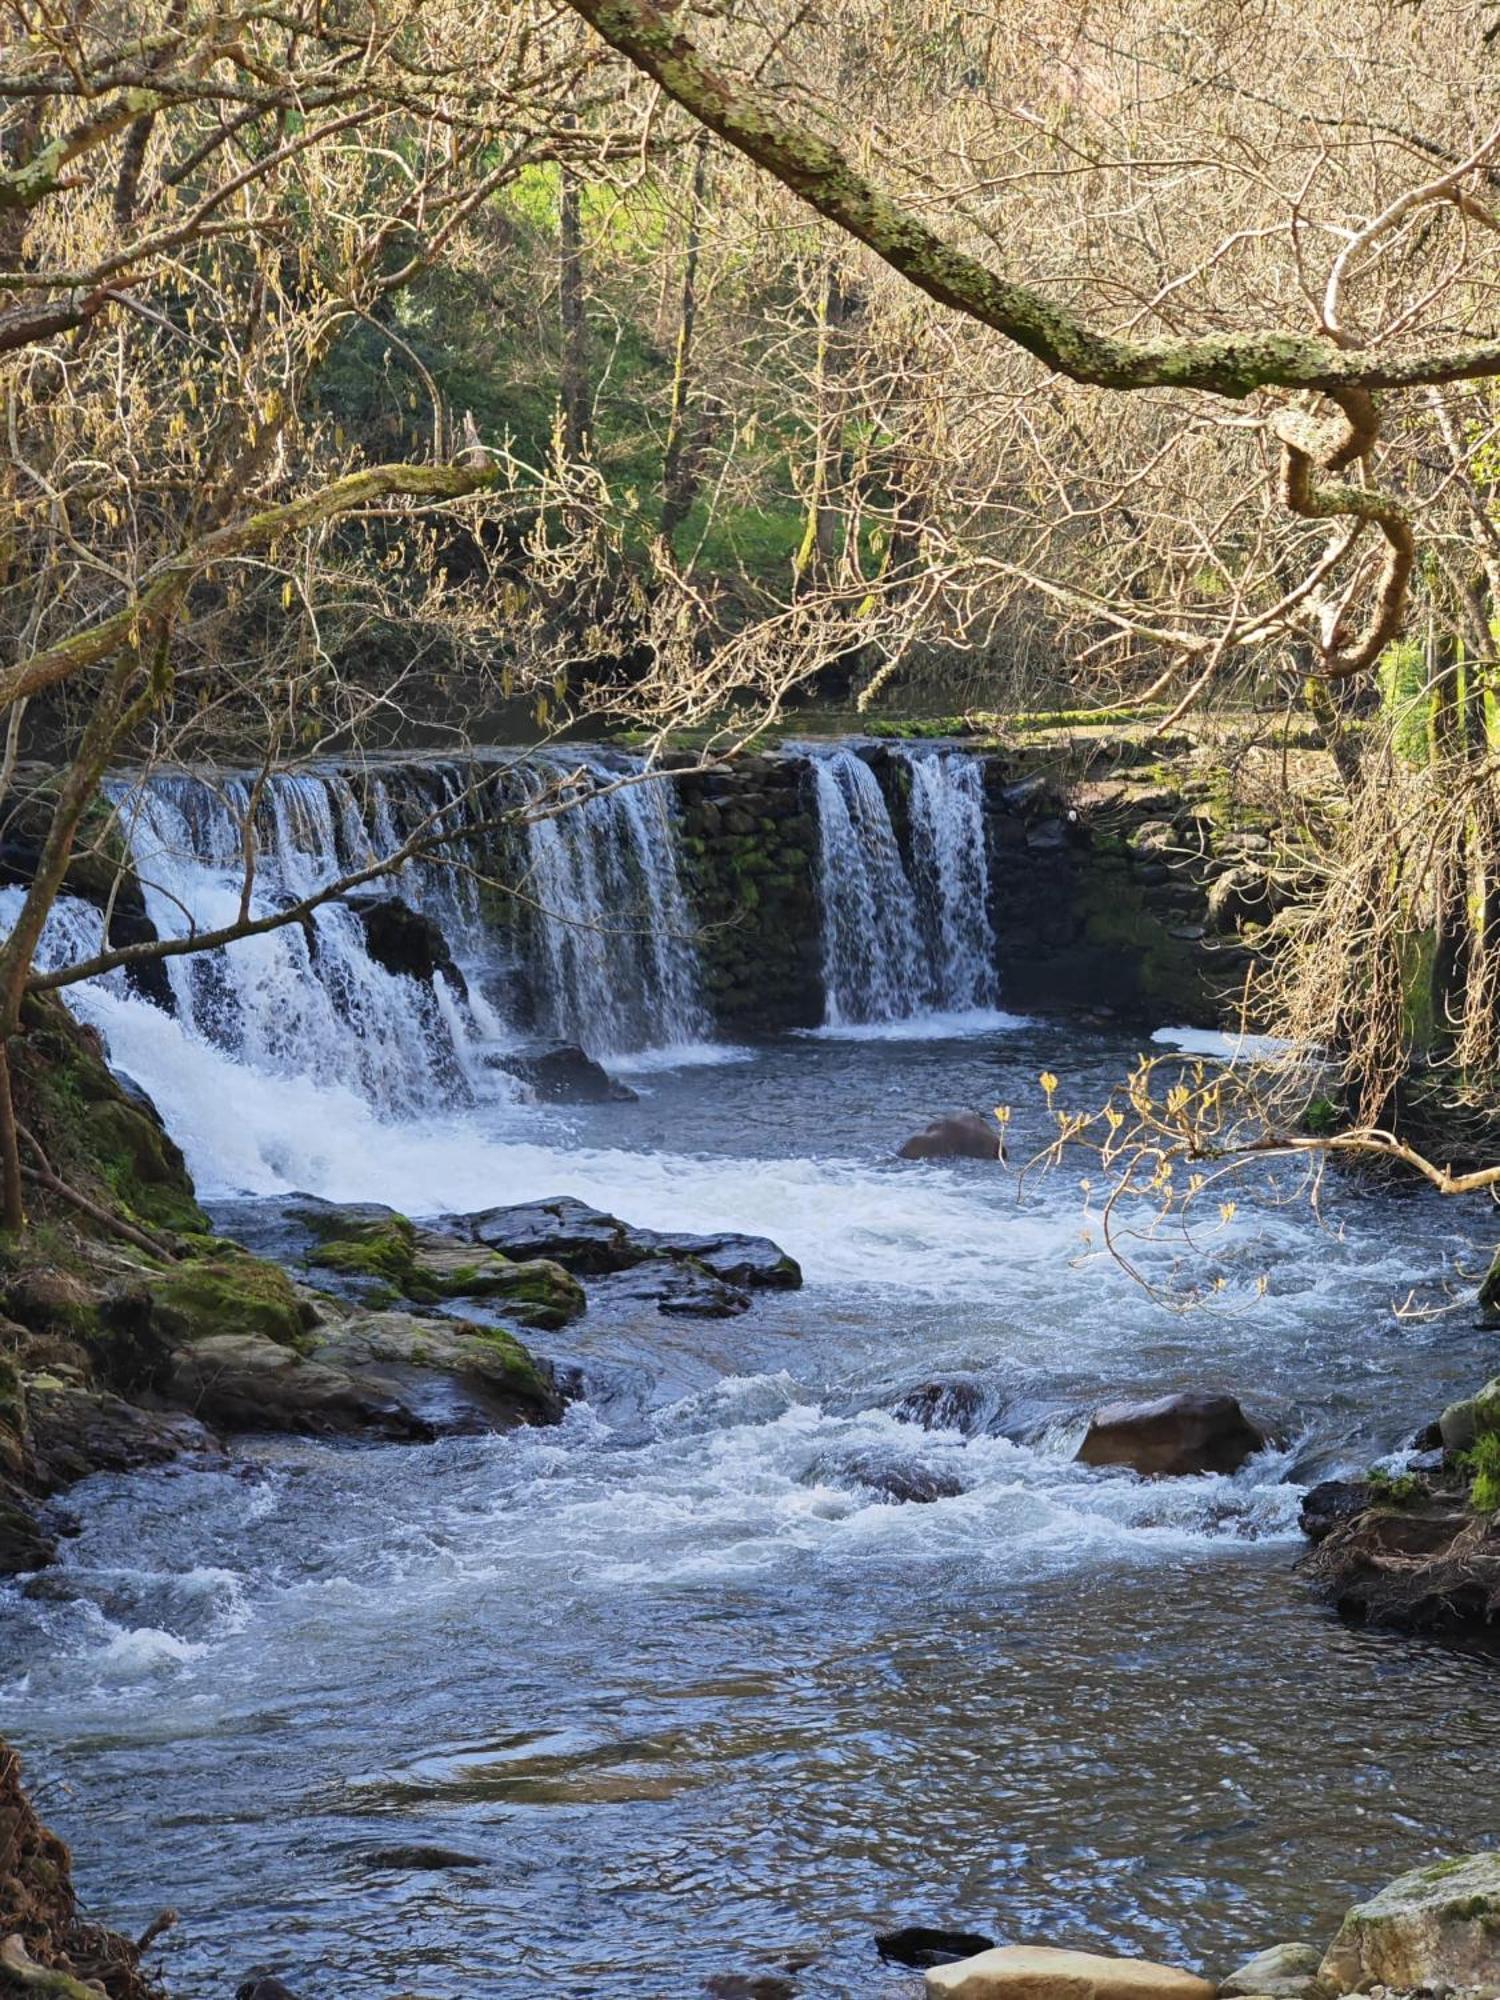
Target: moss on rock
389,1257
206,1298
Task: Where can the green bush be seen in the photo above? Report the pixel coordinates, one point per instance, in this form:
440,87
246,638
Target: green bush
1483,1466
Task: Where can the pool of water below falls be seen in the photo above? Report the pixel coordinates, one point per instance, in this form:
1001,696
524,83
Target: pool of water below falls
693,1698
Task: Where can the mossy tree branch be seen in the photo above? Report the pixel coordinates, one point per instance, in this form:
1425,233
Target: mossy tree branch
1223,364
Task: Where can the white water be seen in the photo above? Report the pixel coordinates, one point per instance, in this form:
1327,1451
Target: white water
904,936
620,963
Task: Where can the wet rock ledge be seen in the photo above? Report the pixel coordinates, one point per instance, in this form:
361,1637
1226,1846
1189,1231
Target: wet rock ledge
1418,1551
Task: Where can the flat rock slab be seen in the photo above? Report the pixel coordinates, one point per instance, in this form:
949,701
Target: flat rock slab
1038,1972
588,1240
1436,1927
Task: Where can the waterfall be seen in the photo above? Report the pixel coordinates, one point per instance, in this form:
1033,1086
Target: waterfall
905,933
306,999
873,958
618,966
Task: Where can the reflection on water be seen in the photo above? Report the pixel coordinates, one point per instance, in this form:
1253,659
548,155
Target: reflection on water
687,1694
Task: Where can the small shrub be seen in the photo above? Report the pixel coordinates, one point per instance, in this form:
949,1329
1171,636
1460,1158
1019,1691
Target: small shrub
1394,1489
1483,1466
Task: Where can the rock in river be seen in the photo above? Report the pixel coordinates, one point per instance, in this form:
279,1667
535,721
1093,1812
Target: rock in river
963,1135
1435,1928
563,1073
1037,1972
1325,1507
1172,1436
919,1945
585,1239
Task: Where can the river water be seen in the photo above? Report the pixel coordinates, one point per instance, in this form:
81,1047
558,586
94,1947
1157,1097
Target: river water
692,1696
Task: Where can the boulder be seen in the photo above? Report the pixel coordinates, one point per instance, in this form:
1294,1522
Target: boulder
446,1376
963,1135
563,1073
561,1228
1037,1972
405,941
380,1255
1173,1436
1435,1928
1284,1972
1430,1566
230,1295
687,1291
246,1382
25,1544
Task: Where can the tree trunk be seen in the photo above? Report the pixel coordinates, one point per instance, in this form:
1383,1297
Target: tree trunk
574,372
680,462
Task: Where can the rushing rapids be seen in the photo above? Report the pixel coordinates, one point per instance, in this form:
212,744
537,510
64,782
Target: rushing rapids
678,1683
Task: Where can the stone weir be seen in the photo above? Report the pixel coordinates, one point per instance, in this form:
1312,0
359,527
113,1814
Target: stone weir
856,882
1133,893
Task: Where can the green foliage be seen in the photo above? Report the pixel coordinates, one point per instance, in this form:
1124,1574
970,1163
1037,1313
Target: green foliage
1394,1489
1482,1464
1321,1116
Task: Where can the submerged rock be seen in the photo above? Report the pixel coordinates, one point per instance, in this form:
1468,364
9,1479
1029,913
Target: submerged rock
748,1986
1435,1928
1283,1972
419,1860
906,1481
1036,1972
1173,1436
963,1135
955,1403
917,1945
563,1073
264,1986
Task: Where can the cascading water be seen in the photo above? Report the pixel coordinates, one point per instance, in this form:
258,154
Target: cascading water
618,965
904,934
307,998
289,1053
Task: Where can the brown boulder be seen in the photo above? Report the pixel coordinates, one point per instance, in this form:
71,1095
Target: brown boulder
1172,1436
963,1135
